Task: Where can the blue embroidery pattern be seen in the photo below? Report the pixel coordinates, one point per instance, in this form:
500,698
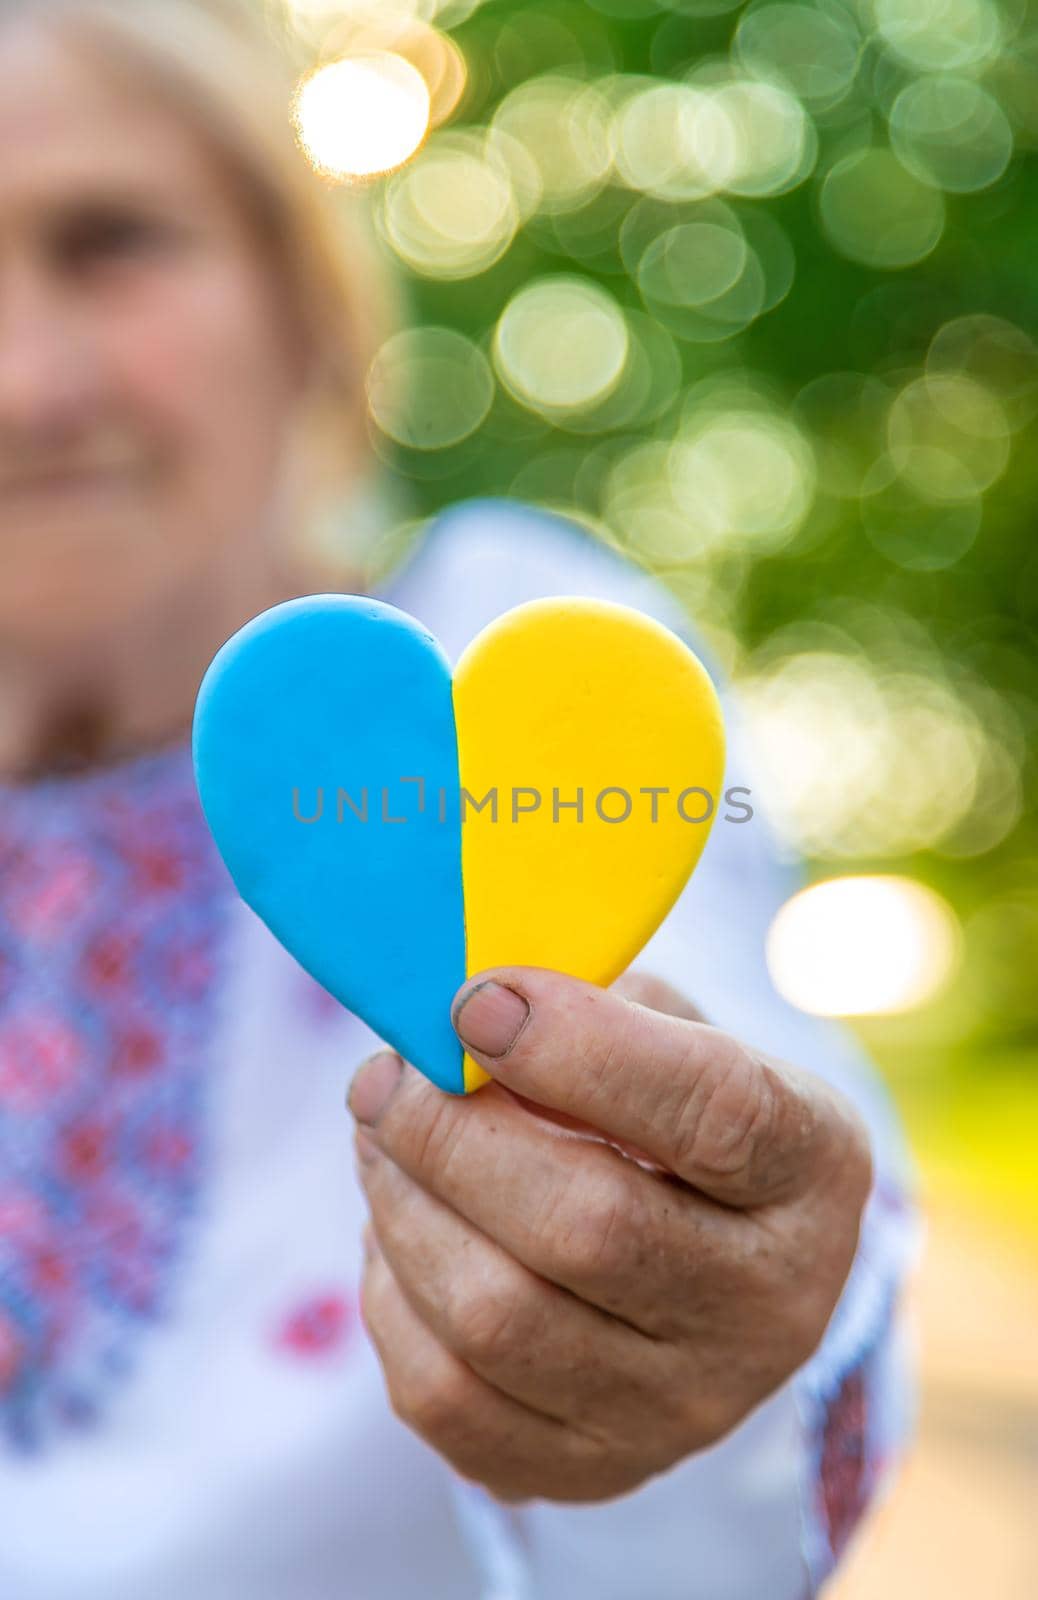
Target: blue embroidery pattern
112,903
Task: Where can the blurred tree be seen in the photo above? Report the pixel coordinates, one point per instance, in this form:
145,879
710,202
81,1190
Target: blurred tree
751,290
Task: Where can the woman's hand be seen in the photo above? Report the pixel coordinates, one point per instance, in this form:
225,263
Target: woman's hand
563,1313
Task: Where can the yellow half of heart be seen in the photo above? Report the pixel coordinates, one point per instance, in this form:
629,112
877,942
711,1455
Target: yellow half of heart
590,742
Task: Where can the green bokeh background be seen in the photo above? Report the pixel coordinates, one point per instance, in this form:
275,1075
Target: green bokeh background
905,600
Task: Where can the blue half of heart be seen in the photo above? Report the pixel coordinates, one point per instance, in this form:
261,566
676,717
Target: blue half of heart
340,692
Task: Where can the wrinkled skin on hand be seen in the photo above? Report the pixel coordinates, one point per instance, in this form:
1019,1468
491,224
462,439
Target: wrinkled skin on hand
605,1259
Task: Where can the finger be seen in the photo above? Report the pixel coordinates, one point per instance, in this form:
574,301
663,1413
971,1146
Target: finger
648,990
573,1211
744,1129
544,1347
658,995
484,1434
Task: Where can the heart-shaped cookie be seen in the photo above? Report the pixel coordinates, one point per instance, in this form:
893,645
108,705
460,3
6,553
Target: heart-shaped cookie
399,831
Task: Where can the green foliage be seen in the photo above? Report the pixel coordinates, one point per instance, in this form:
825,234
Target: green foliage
812,229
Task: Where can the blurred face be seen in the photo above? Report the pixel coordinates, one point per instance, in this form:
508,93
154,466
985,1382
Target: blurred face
148,369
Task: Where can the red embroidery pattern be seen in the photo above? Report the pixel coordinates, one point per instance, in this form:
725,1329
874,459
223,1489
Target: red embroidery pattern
318,1327
845,1484
111,900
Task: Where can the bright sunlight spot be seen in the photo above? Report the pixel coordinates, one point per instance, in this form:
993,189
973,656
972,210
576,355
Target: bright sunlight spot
363,115
862,945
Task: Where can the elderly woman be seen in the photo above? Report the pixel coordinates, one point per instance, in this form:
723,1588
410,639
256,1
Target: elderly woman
555,1369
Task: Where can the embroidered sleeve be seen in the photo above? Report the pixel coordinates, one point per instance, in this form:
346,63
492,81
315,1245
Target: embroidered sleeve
855,1396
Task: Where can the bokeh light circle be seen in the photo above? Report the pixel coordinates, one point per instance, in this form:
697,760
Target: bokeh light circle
363,115
877,212
845,414
429,388
453,212
701,276
848,746
815,52
776,145
948,437
648,386
863,945
745,476
640,506
564,126
996,354
940,35
561,344
674,141
951,132
692,264
912,529
770,245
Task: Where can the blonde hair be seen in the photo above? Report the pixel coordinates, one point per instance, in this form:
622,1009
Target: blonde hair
220,61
